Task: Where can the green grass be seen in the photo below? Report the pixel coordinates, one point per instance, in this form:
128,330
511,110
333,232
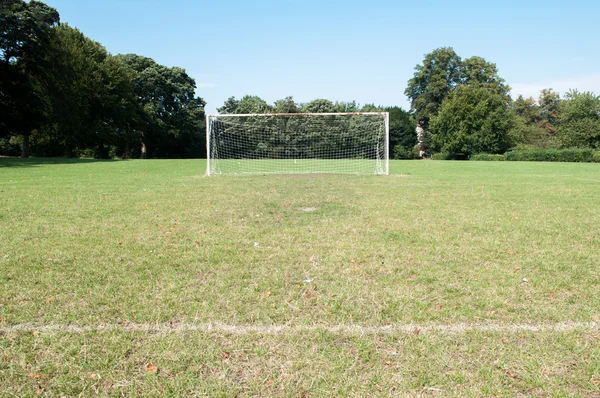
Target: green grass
291,166
95,253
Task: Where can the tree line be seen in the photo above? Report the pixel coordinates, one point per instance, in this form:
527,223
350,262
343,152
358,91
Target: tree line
63,94
466,109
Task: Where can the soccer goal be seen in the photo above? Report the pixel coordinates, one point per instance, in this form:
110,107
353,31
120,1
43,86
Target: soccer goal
294,143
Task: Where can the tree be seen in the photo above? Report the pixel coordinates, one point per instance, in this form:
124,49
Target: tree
229,106
25,31
252,104
473,119
549,101
345,107
476,71
432,81
531,127
402,130
318,106
90,92
580,120
171,117
286,105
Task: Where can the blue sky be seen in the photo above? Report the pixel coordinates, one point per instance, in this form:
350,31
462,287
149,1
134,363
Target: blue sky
351,50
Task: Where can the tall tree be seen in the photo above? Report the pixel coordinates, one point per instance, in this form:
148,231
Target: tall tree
402,130
432,81
25,32
90,92
473,119
476,71
172,116
549,102
580,120
532,126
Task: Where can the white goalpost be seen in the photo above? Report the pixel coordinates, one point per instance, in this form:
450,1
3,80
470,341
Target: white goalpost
296,143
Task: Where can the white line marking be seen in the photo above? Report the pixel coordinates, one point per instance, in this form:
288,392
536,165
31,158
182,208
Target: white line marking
182,327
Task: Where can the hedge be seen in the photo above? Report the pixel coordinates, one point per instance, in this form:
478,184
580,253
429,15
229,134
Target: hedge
553,155
487,157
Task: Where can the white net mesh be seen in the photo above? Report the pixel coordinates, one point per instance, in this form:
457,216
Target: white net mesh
353,143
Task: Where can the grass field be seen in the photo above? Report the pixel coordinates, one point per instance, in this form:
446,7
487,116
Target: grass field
444,278
296,166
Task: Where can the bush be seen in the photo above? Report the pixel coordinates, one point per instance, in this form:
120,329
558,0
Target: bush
401,152
9,148
596,157
551,155
487,157
450,156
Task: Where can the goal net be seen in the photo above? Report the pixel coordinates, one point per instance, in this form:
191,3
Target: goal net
352,143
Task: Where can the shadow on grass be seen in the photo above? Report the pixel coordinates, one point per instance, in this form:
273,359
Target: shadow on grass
36,162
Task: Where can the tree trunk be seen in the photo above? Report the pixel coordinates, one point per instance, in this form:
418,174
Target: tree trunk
25,148
127,154
143,147
101,151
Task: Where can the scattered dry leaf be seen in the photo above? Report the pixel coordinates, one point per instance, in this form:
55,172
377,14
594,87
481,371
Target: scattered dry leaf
40,390
151,368
503,340
512,374
225,355
389,363
266,294
35,332
269,383
35,375
416,331
439,306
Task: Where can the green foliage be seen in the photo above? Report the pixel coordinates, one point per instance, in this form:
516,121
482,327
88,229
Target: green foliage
449,156
286,105
25,33
476,71
318,106
596,157
552,155
400,152
25,29
473,119
487,157
253,104
433,80
8,147
89,90
580,120
229,106
441,72
402,128
169,118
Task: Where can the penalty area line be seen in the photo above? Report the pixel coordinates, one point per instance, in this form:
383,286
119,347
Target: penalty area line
346,329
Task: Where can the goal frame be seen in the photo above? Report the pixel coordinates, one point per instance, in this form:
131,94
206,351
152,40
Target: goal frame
386,116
